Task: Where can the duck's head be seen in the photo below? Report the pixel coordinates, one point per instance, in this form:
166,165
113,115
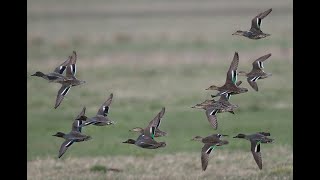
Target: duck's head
240,136
59,134
38,73
129,141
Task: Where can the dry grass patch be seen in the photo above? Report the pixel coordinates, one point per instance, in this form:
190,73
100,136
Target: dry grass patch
277,164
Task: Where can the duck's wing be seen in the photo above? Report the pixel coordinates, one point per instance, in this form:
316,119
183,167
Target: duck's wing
256,21
156,121
253,83
62,67
211,116
73,62
64,147
232,72
258,63
71,68
76,125
255,149
104,108
82,113
61,93
205,152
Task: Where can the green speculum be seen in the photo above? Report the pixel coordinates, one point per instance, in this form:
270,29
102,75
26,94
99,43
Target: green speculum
153,131
234,77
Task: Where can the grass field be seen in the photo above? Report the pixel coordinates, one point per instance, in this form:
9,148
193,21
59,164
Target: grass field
154,54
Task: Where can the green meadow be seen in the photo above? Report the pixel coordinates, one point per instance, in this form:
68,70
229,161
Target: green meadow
154,54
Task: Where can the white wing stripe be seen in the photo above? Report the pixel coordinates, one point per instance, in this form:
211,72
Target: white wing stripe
69,143
65,91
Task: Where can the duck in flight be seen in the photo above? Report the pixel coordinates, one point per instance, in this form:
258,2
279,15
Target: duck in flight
255,30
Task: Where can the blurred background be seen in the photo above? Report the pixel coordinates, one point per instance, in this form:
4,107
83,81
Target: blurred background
154,54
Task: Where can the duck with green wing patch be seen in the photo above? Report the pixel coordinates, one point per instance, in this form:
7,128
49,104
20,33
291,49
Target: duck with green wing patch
230,86
155,122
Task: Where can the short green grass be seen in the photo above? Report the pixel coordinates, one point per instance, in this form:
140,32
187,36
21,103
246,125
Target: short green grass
139,95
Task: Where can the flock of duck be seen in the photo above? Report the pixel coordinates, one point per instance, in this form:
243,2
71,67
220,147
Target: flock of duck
147,136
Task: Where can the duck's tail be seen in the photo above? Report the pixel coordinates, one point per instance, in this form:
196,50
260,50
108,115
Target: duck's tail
87,138
162,144
242,73
269,74
197,138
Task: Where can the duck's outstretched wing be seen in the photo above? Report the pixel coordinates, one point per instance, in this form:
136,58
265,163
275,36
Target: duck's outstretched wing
256,21
64,147
205,152
252,82
104,108
255,149
211,116
61,93
258,63
232,72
